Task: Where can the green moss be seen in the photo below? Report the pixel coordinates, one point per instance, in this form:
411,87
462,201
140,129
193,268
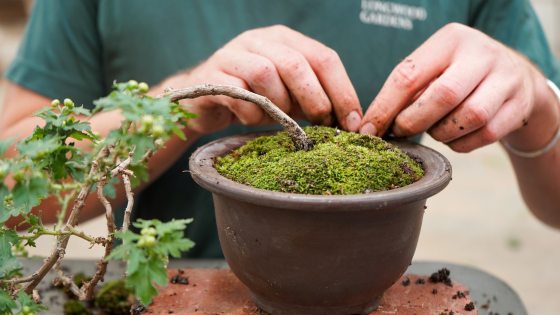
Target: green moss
340,163
75,307
114,298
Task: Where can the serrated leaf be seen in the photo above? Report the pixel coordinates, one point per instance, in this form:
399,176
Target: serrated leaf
79,126
34,223
7,305
80,136
109,189
39,147
140,174
26,300
163,228
8,263
5,212
175,246
82,111
29,193
146,273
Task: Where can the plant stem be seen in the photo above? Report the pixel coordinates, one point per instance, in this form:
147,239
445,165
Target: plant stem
300,139
62,240
87,288
68,232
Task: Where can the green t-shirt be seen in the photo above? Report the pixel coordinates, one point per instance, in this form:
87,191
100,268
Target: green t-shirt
78,48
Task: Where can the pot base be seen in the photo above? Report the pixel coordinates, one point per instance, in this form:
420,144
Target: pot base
275,308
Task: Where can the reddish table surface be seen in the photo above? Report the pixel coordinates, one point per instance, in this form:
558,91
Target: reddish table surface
218,291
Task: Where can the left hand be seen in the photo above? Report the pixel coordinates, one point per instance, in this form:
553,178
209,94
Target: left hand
464,88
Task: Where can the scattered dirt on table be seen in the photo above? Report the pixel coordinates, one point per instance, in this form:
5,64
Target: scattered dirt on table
406,282
441,276
459,295
469,306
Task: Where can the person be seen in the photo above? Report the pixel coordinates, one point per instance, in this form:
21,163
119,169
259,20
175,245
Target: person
468,73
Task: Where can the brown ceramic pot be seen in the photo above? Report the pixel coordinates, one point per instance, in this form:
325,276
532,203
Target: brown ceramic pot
311,254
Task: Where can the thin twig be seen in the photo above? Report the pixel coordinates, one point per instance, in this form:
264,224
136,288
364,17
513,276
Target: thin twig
122,166
67,282
88,287
70,231
300,139
130,202
62,241
18,280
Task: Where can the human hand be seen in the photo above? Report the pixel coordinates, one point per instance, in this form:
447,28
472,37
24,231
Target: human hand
303,77
464,88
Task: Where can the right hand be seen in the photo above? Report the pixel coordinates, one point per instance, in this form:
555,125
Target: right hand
303,77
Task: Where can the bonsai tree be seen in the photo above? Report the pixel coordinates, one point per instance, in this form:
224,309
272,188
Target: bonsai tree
50,164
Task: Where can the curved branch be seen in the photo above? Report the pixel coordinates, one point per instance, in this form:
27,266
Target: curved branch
300,139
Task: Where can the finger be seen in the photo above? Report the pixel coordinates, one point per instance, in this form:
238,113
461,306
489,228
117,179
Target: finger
476,111
442,96
259,74
505,121
298,77
246,112
424,65
332,75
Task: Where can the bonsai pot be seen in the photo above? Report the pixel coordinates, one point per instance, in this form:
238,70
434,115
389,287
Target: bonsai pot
316,254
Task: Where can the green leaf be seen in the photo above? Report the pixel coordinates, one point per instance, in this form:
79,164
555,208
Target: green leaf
5,211
171,226
175,245
109,189
140,174
178,132
29,193
38,148
143,275
25,300
8,263
80,136
7,305
82,111
125,249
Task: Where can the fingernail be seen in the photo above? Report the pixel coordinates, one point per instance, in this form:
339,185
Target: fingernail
353,121
368,129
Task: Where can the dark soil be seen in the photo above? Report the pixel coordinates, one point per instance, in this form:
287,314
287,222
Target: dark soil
459,295
406,282
442,276
469,306
178,279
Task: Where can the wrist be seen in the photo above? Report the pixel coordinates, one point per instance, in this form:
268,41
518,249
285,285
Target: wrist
540,131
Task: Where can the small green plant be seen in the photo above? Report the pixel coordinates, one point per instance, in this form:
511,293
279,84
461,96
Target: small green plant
66,160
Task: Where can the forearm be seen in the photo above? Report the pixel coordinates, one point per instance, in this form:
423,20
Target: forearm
539,177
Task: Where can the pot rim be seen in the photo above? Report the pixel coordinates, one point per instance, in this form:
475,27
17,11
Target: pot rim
437,175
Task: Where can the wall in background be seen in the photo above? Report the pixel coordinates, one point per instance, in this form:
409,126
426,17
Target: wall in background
549,13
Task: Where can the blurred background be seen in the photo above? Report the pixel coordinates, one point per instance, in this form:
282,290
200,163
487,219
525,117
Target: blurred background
478,220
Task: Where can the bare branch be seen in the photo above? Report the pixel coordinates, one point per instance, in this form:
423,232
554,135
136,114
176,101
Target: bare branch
300,139
129,204
67,282
88,287
62,241
122,166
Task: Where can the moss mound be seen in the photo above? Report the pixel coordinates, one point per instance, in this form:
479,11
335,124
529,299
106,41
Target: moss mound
340,163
